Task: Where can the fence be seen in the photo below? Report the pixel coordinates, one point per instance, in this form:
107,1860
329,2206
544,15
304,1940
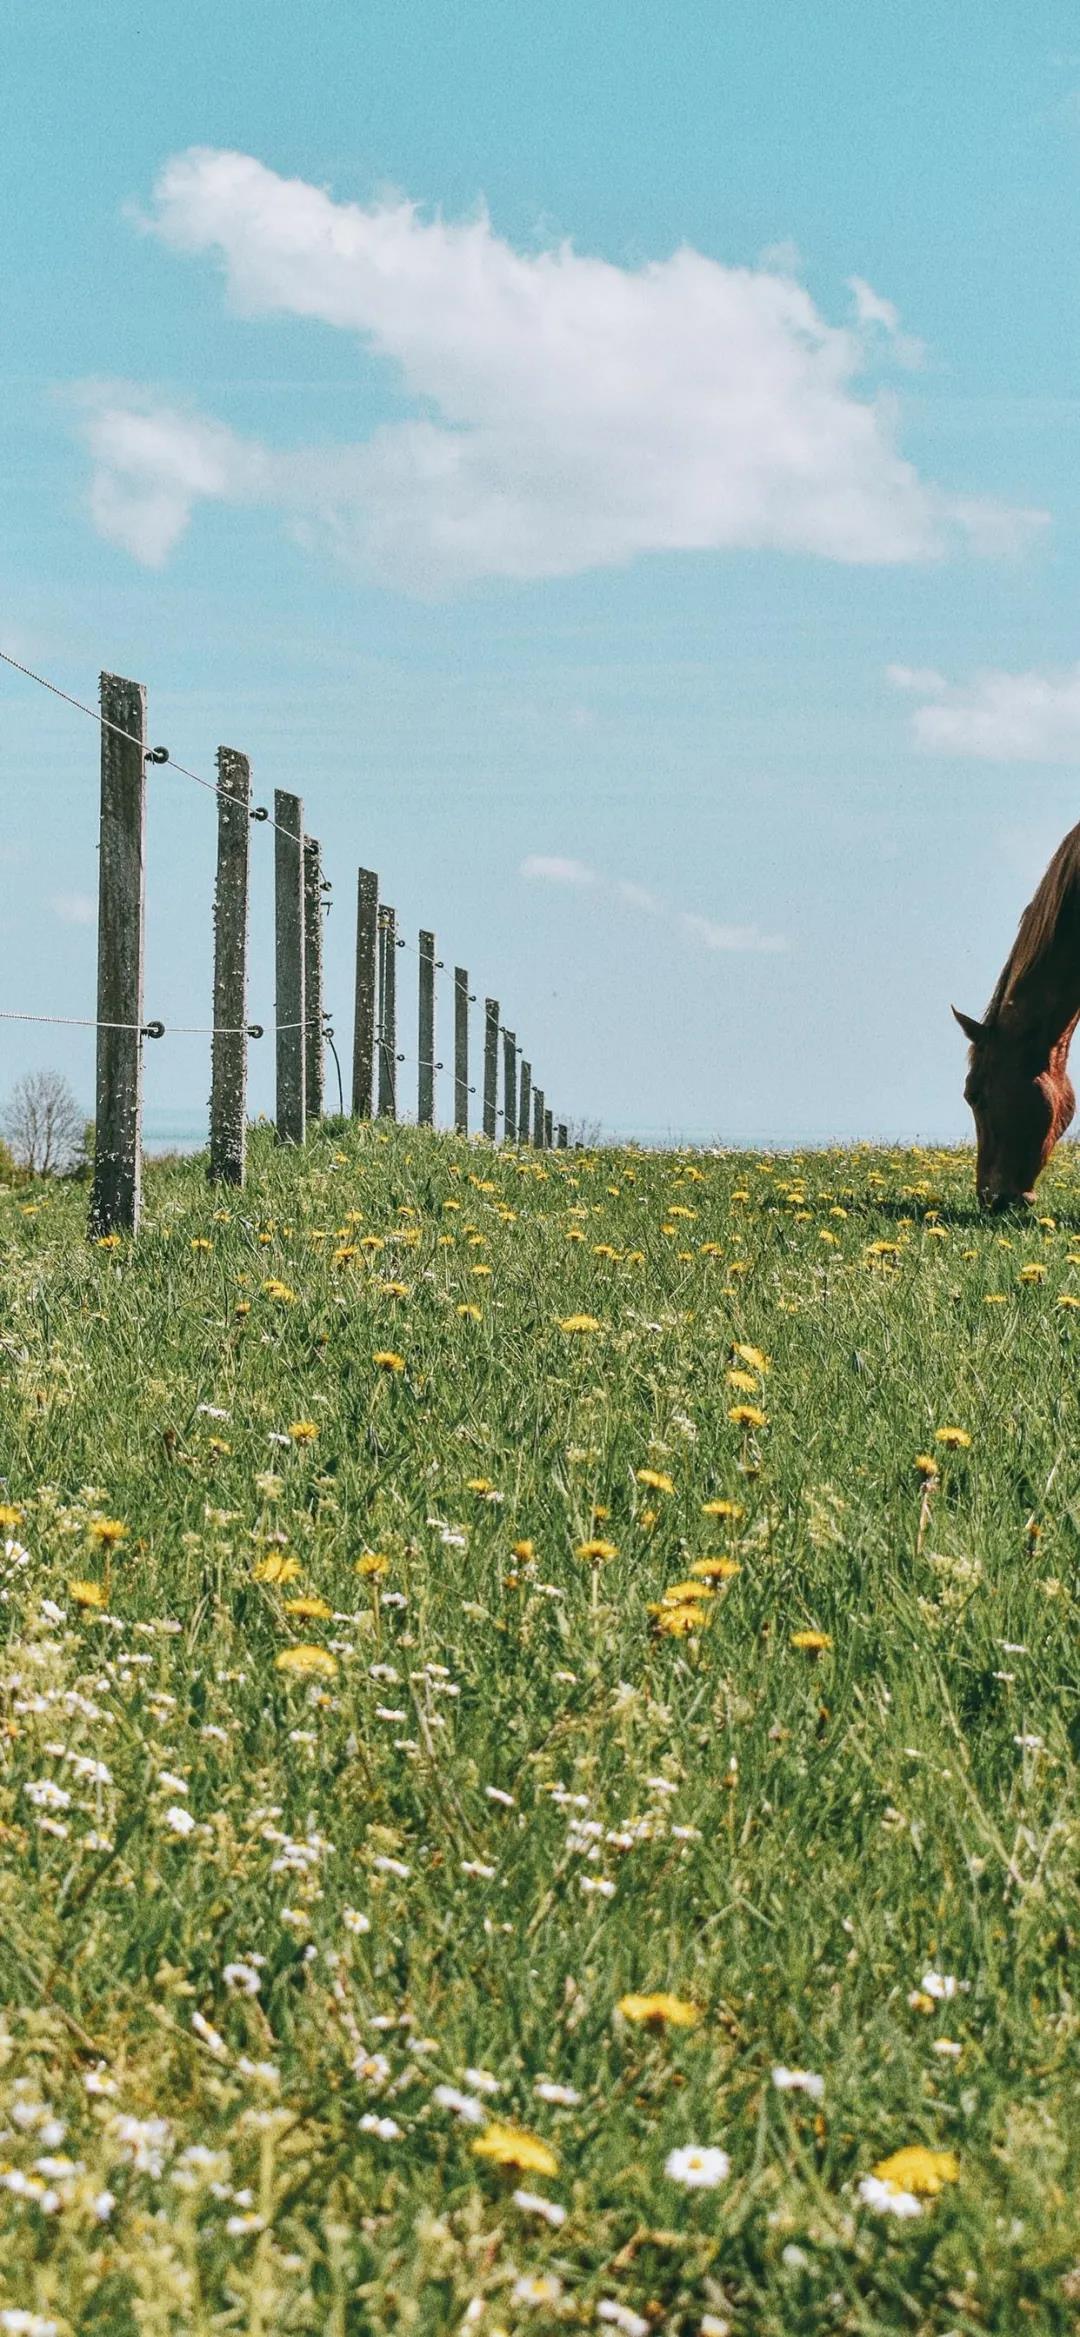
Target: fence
302,1026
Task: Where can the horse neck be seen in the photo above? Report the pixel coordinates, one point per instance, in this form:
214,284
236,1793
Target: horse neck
1044,1018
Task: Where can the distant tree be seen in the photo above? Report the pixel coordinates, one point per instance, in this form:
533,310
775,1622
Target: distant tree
43,1124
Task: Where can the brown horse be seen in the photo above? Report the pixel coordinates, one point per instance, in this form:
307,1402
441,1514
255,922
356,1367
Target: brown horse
1018,1084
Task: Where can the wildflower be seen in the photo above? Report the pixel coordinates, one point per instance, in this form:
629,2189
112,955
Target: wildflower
303,1431
656,1479
280,1291
917,2169
798,2081
199,1242
947,2047
597,1549
312,1608
747,1416
388,1361
10,1517
954,1439
387,2129
464,2106
277,1566
941,1985
564,2097
238,2227
681,1621
812,1642
722,1508
700,2169
178,1821
537,2288
925,1465
752,1356
514,2146
243,1978
743,1380
306,1663
579,1323
106,1531
716,1569
472,1313
87,1594
107,1241
531,2203
355,1921
660,2011
372,1562
622,2317
525,1551
887,2199
1032,1274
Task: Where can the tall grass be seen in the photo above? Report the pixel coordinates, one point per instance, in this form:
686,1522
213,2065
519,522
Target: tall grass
282,1943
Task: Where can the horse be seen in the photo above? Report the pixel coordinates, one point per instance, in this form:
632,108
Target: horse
1018,1084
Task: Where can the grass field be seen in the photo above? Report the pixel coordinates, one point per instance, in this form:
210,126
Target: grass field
418,1867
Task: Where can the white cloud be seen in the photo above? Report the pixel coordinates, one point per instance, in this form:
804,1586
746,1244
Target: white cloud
647,904
75,908
1004,717
552,870
574,413
924,681
728,937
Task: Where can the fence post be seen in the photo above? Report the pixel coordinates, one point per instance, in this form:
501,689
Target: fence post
524,1122
425,1034
548,1130
491,1064
387,1014
228,1045
564,1137
367,911
117,1188
289,961
461,1051
538,1118
510,1090
313,1010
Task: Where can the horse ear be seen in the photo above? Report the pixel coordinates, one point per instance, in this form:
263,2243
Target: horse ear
971,1029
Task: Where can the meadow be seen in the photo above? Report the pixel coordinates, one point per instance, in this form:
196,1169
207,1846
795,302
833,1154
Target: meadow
538,1706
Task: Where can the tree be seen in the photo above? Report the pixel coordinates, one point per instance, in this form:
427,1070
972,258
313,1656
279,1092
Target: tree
43,1124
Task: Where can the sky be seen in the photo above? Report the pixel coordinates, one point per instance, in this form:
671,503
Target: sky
619,466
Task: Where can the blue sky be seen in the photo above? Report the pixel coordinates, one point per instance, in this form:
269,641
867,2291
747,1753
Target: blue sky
619,466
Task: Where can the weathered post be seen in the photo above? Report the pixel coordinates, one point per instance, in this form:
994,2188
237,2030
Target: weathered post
387,1014
549,1118
367,912
538,1118
564,1137
117,1188
491,1064
524,1121
425,1034
313,1009
510,1105
289,960
461,1051
228,1045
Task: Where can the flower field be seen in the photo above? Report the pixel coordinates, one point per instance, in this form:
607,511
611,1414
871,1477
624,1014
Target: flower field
539,1723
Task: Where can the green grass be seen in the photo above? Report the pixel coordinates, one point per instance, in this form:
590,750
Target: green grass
793,1840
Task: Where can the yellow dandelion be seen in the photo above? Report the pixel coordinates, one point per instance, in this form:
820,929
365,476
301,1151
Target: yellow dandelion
106,1531
597,1549
303,1431
743,1380
716,1569
306,1663
107,1241
678,1594
481,1485
1032,1274
312,1608
722,1508
523,1550
579,1323
471,1313
954,1439
277,1566
87,1594
280,1291
682,1621
925,1464
394,1289
10,1517
388,1361
917,2169
811,1642
514,2146
372,1562
656,1479
480,1269
747,1416
1068,1301
660,2011
241,1309
751,1356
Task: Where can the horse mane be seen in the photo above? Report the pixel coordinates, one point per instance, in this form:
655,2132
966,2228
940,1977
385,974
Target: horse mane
1053,908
